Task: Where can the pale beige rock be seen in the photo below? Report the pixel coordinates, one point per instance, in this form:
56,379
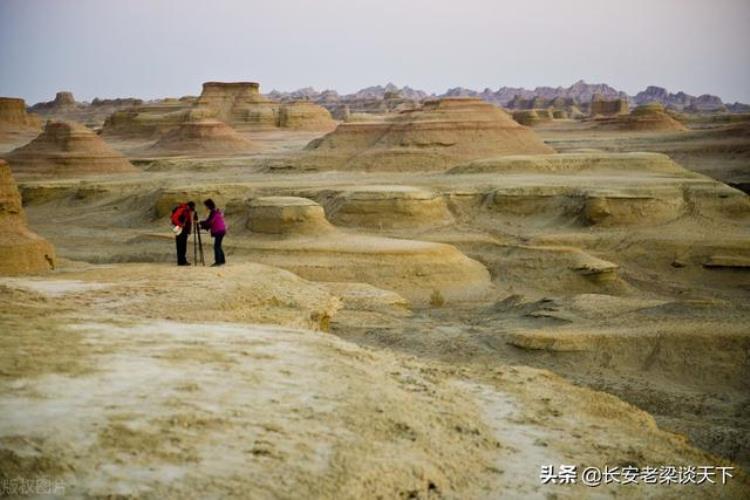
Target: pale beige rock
413,269
284,215
389,207
242,405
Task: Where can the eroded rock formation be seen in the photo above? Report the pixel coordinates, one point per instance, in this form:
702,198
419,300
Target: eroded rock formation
241,104
63,101
532,117
304,115
600,106
389,207
146,121
65,107
13,116
286,215
202,137
238,104
66,148
441,133
645,118
21,251
294,233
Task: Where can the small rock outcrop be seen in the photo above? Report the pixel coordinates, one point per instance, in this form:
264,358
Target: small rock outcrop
389,207
287,215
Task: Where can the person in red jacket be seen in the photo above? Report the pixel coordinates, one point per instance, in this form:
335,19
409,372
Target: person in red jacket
218,227
182,220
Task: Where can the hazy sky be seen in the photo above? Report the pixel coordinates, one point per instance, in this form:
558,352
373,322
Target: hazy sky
156,48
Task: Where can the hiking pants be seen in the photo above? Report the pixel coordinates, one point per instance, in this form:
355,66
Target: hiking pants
182,244
218,251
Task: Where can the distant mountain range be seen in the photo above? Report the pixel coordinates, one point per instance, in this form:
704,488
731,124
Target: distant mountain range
375,92
579,92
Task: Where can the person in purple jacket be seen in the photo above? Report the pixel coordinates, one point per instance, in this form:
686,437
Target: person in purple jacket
218,227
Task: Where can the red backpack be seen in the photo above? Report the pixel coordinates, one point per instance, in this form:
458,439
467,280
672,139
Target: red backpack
178,213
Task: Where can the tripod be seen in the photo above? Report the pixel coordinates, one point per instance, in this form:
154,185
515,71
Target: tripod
197,243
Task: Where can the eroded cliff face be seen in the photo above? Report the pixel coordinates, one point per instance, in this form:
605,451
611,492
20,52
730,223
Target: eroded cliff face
21,251
13,115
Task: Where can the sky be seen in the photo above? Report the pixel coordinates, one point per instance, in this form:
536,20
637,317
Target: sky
160,48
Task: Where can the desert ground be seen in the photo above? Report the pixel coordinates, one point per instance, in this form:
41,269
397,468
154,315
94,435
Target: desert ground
430,304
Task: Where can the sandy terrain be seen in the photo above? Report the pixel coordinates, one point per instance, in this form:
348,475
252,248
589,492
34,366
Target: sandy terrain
400,334
715,148
100,393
